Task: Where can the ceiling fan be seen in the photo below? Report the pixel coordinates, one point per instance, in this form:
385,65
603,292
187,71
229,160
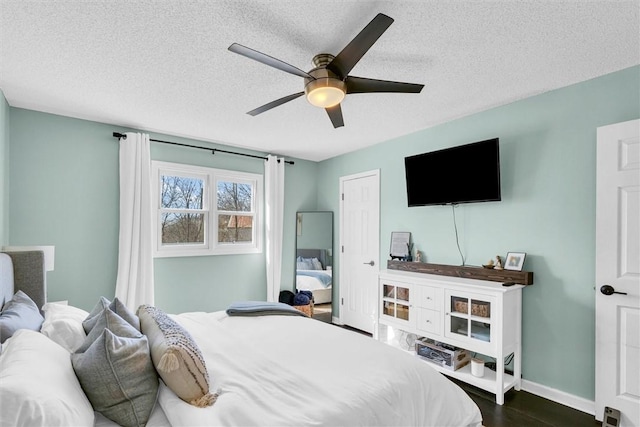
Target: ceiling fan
327,84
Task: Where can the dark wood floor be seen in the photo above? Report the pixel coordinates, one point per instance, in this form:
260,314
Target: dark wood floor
523,409
520,409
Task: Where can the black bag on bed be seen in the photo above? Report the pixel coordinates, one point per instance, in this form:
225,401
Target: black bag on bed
286,297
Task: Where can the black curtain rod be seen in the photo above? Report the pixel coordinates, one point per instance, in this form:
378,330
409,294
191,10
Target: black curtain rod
213,150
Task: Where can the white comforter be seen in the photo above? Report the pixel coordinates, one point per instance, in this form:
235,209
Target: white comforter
290,370
309,283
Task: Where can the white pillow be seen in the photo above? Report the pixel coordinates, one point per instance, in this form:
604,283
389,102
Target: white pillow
63,324
317,265
38,385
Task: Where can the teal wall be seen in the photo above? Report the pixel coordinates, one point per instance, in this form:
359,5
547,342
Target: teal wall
316,232
64,192
4,170
548,171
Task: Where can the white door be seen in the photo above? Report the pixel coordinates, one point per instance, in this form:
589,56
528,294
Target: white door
359,249
618,271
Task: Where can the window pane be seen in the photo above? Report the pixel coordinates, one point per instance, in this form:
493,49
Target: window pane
182,193
235,229
182,228
233,196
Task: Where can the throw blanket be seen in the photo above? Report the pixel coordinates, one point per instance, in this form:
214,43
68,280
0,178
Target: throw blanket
323,277
262,308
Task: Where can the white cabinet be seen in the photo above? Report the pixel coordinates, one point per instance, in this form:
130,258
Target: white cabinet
481,316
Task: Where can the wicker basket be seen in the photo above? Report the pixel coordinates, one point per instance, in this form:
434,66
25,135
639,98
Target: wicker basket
306,309
460,306
478,308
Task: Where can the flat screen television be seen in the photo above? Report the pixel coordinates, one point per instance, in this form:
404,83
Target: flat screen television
464,174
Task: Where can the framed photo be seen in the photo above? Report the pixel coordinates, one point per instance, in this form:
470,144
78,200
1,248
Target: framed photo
400,241
514,261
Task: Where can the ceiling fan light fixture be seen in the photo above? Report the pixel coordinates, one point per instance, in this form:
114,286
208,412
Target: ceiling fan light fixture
325,92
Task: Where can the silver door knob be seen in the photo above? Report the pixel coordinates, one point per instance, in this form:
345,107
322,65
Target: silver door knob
371,263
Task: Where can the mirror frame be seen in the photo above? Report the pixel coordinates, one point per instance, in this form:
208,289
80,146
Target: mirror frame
299,227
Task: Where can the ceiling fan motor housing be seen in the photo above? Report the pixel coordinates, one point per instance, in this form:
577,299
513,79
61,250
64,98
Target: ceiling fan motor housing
326,89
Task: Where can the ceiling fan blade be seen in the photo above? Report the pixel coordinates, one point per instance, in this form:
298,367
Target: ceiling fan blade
335,114
267,60
273,104
344,62
364,85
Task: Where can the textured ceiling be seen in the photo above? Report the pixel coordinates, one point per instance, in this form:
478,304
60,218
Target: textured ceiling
163,66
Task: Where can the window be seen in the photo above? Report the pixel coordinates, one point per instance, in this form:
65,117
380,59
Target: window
205,211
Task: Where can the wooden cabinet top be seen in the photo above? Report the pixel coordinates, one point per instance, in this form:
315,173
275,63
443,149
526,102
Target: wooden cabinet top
479,273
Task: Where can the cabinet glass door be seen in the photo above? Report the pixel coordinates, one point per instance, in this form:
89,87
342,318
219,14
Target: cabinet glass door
395,301
469,317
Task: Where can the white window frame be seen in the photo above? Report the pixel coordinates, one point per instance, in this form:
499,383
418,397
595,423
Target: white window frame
211,176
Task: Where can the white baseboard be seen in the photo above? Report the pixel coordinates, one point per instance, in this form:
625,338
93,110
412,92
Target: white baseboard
336,320
564,398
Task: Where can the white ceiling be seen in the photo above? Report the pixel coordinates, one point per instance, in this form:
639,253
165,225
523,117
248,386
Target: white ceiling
163,66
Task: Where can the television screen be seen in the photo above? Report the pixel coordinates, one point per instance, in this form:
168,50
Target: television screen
464,174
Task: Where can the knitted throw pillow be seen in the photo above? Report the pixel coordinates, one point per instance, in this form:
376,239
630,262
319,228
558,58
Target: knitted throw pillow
176,356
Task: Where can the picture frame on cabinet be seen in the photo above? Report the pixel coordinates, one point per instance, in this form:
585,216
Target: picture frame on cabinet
400,245
514,261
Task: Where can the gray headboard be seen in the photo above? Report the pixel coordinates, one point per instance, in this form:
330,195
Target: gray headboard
23,271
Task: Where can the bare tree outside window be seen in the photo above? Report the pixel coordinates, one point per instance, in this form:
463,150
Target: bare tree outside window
179,196
234,199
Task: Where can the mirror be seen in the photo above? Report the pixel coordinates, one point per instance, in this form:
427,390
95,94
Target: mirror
314,259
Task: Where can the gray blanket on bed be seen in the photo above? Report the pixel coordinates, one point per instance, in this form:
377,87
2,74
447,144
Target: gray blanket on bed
262,308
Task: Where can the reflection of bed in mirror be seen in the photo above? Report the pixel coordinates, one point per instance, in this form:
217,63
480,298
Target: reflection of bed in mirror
312,274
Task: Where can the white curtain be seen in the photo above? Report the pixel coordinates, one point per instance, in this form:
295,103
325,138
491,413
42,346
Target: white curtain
134,285
274,216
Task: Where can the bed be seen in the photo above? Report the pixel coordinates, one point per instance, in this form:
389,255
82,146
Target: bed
257,369
314,273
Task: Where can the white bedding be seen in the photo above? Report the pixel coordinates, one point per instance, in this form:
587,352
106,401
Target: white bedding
261,366
309,283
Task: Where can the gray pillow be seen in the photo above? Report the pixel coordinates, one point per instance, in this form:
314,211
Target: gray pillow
109,320
117,307
118,377
19,313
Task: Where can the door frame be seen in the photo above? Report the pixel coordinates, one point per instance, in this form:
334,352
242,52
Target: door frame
376,173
